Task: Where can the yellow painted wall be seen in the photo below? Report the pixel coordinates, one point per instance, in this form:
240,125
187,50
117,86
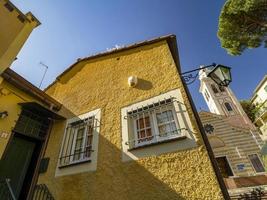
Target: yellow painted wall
13,34
10,96
102,83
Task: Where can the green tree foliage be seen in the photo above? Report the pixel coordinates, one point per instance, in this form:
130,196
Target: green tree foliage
243,24
249,109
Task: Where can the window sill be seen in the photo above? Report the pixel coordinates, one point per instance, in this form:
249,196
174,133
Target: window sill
74,163
158,142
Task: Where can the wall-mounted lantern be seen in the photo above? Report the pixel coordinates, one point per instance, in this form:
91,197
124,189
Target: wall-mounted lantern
220,74
132,81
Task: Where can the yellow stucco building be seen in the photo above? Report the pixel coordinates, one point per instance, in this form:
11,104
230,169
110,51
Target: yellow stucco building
15,29
135,134
26,116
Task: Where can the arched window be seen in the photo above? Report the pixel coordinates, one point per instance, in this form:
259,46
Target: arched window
221,88
214,88
228,106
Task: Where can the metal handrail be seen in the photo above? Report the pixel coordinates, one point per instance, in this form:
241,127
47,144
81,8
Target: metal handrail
6,192
41,192
261,109
255,194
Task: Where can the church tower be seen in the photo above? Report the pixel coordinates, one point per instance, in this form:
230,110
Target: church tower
222,101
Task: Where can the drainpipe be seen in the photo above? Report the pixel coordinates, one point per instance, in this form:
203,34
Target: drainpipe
207,144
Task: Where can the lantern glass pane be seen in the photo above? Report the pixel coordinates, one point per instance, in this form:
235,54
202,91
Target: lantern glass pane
216,76
226,73
221,75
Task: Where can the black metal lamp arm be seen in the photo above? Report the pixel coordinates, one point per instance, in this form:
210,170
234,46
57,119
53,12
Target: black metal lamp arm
190,78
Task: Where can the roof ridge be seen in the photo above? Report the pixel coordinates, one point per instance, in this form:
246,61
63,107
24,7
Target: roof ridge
170,38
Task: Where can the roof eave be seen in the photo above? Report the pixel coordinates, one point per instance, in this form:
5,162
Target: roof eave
171,40
15,79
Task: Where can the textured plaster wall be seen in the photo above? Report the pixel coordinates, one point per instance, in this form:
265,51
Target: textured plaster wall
13,34
10,97
102,83
12,26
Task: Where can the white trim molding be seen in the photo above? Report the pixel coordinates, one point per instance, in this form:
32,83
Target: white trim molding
178,134
87,163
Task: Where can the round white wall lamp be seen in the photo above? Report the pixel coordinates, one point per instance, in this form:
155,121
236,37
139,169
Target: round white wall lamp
132,81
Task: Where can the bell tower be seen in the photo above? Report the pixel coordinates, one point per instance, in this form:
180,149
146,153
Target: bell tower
222,101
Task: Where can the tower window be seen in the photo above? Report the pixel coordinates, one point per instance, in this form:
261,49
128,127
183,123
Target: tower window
256,163
221,88
214,88
228,106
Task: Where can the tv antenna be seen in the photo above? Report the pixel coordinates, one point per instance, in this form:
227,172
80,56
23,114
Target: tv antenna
46,68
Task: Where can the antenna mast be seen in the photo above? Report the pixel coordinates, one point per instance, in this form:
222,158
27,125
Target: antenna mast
46,68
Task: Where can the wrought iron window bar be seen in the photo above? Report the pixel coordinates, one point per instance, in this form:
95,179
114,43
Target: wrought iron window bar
149,108
68,154
41,192
32,124
255,194
163,137
65,161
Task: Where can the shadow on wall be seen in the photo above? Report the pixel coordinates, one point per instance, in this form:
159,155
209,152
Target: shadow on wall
113,180
144,84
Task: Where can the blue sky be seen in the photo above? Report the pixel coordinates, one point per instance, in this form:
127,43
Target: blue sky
74,29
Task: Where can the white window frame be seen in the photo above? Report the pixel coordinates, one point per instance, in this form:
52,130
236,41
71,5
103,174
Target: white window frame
81,165
187,140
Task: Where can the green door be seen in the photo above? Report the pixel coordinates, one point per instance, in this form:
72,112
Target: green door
16,162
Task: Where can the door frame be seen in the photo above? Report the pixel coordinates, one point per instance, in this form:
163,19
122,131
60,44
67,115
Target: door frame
43,146
221,156
41,155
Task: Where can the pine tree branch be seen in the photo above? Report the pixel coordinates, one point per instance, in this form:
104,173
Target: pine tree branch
258,22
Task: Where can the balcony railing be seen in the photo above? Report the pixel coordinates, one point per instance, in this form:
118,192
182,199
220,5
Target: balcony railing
41,192
255,194
6,192
262,109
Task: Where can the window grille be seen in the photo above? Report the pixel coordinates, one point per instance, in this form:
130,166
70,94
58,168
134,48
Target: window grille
32,124
153,123
77,144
